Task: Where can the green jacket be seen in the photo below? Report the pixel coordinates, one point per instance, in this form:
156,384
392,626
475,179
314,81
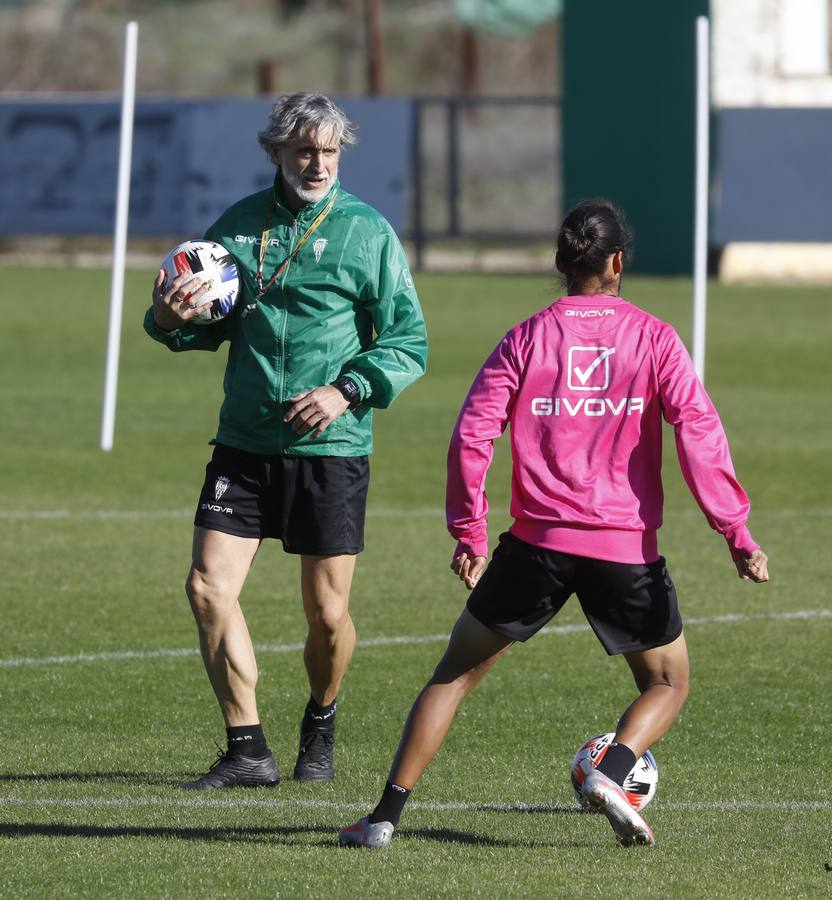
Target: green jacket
345,305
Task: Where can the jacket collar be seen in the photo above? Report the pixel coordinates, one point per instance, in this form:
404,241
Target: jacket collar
308,212
591,299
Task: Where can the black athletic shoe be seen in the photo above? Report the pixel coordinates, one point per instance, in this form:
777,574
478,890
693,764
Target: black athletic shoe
317,742
237,771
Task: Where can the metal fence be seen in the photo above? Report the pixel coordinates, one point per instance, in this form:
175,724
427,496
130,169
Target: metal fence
450,171
484,168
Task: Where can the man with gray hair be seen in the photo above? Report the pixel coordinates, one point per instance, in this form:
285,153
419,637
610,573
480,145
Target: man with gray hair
328,327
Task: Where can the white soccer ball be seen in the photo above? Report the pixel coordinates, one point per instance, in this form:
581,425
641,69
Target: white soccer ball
213,265
639,786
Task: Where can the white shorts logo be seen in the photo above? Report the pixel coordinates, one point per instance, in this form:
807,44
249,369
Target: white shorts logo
213,507
589,368
221,486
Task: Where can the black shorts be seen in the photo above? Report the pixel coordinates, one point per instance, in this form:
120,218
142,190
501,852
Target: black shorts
314,504
628,606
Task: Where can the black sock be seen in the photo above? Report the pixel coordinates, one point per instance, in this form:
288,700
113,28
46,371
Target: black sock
617,762
322,717
390,806
246,740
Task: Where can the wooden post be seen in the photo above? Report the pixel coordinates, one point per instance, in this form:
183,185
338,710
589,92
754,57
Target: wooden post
375,50
268,76
470,62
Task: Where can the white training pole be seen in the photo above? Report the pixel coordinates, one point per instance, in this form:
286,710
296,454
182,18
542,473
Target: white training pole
700,247
128,97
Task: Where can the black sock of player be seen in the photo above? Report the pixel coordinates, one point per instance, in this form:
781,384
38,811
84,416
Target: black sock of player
390,806
322,716
617,762
246,740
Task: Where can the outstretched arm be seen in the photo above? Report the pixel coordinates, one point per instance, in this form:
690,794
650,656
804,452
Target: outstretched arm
704,456
483,418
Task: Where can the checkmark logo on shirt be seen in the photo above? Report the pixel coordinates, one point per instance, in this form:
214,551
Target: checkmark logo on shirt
589,364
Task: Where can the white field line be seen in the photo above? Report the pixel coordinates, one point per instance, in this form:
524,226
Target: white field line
384,641
283,803
378,512
16,515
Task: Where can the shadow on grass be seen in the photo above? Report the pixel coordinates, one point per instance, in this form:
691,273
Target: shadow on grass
157,778
284,834
452,836
277,834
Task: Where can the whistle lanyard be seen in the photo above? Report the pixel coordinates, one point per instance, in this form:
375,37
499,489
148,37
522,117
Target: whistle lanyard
264,243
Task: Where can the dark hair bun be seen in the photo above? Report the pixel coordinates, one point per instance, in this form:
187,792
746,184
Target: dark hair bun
579,240
591,232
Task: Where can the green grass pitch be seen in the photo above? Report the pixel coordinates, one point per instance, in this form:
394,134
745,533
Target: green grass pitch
105,705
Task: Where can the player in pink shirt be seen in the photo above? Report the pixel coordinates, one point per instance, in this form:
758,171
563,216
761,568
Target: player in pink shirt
584,386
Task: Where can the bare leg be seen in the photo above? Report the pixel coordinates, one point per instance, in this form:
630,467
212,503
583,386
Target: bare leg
220,565
661,674
330,641
472,650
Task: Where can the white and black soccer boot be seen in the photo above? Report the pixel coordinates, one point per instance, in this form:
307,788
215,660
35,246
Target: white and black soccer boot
602,794
366,834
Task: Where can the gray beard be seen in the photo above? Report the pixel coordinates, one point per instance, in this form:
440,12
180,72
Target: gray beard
306,196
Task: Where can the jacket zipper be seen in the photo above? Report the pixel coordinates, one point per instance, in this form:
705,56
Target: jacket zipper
281,338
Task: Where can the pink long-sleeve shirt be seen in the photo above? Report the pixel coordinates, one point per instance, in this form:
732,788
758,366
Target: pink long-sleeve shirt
584,385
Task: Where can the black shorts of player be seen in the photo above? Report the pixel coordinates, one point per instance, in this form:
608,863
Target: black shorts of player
314,504
628,606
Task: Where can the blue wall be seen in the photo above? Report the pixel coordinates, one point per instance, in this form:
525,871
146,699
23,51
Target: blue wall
191,159
773,171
